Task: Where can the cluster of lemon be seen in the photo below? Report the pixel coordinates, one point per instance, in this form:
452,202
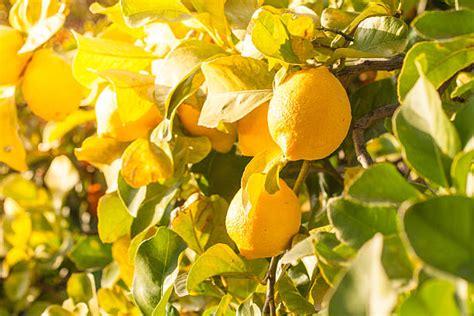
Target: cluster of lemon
307,118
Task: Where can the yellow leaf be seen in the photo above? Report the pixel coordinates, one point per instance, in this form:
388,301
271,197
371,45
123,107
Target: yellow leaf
95,55
99,151
211,15
12,151
134,93
120,250
144,162
56,130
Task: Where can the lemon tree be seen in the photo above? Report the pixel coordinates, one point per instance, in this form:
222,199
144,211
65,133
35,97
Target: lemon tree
237,157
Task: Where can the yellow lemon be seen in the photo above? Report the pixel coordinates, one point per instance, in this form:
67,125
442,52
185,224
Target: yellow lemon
49,87
189,116
109,123
310,114
252,131
11,63
267,228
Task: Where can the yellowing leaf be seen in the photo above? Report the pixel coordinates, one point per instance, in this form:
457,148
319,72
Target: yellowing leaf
114,13
144,163
120,250
141,12
96,55
99,151
56,130
211,15
12,151
134,93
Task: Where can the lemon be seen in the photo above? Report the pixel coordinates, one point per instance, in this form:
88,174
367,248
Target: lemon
267,228
309,115
49,87
252,131
189,116
11,63
110,125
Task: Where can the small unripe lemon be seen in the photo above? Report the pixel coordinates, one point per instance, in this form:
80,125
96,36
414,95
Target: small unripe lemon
11,63
110,125
252,131
309,115
267,228
49,87
189,117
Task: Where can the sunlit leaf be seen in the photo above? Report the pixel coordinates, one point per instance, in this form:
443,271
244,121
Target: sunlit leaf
100,151
114,219
141,12
236,86
444,24
143,163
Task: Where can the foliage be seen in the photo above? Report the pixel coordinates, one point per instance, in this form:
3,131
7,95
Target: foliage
118,206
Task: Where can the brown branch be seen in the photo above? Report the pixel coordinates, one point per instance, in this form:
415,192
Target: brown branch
270,277
362,124
387,64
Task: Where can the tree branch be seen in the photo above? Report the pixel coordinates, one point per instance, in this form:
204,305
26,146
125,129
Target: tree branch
346,36
362,124
388,65
270,277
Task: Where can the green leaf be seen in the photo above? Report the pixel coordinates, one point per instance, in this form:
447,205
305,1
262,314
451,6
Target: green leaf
373,95
270,36
219,259
156,268
236,86
460,170
292,298
81,287
380,36
248,308
429,140
439,60
17,284
201,222
364,288
131,197
90,253
114,219
381,183
152,210
337,19
356,223
95,55
141,12
444,24
440,231
433,298
464,126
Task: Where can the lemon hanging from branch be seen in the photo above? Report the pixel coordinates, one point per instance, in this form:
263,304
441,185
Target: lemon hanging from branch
309,115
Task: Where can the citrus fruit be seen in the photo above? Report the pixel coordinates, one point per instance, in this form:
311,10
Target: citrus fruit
189,116
252,131
309,115
49,87
12,63
266,229
109,123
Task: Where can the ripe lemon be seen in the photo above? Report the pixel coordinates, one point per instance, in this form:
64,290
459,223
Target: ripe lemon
109,123
252,131
267,228
189,116
49,87
309,115
11,63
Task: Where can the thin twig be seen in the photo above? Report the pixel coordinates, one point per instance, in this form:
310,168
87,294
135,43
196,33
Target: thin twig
346,36
362,124
388,65
270,277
